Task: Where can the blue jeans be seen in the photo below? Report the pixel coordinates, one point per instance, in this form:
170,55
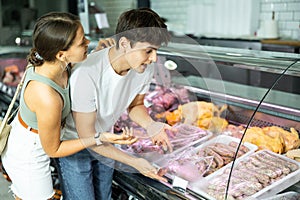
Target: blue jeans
86,175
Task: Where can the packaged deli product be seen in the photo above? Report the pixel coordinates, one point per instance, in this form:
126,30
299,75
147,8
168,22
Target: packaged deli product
257,176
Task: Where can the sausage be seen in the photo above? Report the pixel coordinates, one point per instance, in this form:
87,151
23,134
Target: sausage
227,151
215,155
263,179
227,160
202,166
239,174
279,161
242,147
262,170
270,164
222,151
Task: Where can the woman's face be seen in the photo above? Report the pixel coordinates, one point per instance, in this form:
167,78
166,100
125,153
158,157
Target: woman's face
78,51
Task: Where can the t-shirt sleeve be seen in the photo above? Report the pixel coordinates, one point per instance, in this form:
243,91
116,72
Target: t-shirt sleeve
82,91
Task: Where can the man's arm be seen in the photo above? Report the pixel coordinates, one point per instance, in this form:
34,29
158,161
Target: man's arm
142,165
138,112
85,125
156,130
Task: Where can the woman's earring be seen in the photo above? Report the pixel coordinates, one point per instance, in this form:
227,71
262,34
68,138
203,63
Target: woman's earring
63,65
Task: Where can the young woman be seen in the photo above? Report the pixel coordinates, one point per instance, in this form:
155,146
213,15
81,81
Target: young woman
58,41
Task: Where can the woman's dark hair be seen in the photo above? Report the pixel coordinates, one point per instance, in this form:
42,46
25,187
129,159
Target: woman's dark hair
53,32
142,25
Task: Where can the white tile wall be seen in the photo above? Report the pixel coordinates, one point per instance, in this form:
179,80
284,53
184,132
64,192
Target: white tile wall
284,16
177,12
114,8
297,16
287,13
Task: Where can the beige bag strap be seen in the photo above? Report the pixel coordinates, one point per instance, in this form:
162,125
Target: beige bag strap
11,105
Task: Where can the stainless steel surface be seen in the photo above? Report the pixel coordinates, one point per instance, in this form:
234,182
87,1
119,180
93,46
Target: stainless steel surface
233,43
239,116
274,62
248,104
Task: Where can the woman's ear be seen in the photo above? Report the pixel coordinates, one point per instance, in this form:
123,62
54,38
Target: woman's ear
61,56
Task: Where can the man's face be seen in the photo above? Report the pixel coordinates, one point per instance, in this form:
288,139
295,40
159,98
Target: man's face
140,55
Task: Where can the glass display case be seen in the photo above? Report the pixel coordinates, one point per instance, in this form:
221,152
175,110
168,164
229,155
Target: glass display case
239,77
246,94
12,65
256,96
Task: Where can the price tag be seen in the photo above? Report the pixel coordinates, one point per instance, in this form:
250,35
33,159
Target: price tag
179,184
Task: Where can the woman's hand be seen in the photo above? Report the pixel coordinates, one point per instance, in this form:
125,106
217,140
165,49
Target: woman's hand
125,138
145,168
104,43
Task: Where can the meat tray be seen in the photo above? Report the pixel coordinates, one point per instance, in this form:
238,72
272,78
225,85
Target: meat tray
187,168
225,139
158,154
285,196
277,185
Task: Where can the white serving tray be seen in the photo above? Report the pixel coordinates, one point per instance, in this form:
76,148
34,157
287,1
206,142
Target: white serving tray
225,139
269,191
284,196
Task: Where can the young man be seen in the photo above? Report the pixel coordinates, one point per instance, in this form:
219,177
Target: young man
102,88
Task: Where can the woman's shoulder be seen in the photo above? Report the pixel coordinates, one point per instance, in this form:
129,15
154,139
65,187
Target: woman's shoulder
45,96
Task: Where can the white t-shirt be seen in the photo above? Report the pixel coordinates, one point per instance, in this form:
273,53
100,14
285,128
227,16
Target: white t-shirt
96,86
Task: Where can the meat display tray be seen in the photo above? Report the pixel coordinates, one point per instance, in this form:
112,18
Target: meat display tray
191,151
201,187
285,196
156,157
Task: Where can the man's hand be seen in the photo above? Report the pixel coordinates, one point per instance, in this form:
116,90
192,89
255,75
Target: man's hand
145,168
104,43
125,138
157,132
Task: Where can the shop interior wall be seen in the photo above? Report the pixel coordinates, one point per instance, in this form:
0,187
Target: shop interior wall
287,12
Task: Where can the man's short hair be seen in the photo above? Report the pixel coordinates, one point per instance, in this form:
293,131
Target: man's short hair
142,25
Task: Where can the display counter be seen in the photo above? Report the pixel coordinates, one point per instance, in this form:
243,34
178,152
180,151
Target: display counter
260,89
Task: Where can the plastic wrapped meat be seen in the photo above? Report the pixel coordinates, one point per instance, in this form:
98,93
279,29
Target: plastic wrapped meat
185,135
167,98
157,101
145,146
